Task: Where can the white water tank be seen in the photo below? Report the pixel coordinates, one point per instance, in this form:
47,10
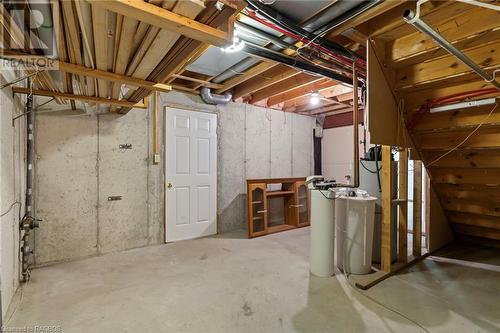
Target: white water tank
322,253
355,217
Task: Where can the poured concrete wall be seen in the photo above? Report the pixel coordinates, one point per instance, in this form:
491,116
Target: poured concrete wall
79,165
254,142
12,184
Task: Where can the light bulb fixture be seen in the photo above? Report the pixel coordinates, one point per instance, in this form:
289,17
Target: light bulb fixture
237,45
314,98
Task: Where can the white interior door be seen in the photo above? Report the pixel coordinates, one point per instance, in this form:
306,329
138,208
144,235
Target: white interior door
191,174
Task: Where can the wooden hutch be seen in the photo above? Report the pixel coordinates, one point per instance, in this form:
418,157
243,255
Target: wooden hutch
276,204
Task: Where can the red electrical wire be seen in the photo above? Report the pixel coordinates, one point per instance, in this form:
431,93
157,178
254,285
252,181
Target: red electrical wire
340,59
447,100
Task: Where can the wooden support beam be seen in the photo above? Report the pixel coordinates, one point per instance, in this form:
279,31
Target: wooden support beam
165,19
403,206
99,74
417,208
82,98
109,76
387,217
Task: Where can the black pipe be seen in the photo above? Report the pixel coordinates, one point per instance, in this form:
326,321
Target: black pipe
263,52
288,24
365,5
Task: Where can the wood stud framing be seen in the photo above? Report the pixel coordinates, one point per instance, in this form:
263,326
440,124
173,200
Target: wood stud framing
417,208
403,206
387,216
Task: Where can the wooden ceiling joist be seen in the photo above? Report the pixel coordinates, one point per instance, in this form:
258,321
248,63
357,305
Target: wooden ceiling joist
274,75
240,78
165,19
326,93
183,51
295,81
82,98
301,91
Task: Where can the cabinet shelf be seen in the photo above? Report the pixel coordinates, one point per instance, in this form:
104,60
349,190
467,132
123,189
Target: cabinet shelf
279,193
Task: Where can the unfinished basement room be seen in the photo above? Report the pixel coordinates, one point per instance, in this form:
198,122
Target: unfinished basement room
255,166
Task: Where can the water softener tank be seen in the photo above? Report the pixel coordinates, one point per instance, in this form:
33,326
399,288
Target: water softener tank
355,217
322,232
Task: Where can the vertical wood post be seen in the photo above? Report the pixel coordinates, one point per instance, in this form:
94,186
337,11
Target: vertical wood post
417,208
156,146
403,206
386,208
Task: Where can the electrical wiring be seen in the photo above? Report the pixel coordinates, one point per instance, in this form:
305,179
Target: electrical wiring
458,97
10,208
340,59
465,139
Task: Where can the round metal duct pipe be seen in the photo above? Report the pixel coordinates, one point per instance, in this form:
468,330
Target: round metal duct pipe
209,98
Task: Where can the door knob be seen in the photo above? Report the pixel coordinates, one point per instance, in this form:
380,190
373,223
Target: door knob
169,185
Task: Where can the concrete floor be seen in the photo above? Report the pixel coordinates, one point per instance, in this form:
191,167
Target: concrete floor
231,284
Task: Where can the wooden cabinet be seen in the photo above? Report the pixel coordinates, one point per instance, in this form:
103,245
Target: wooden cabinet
276,205
257,210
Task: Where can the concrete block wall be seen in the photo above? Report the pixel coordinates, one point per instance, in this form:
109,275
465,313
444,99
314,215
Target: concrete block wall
79,165
12,184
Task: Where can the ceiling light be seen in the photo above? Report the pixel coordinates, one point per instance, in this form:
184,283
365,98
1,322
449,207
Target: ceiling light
314,98
237,45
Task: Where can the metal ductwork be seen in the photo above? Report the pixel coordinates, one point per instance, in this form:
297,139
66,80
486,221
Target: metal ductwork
209,98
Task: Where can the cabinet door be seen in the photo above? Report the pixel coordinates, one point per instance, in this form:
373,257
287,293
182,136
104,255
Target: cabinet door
257,210
302,204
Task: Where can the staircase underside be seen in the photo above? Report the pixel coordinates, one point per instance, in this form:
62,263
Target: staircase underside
461,147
